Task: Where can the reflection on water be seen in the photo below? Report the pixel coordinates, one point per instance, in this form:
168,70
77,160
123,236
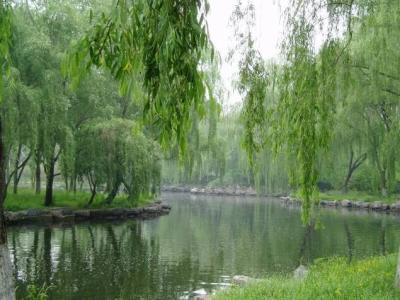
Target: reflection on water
200,244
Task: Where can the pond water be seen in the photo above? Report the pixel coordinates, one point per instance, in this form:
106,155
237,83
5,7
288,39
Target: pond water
203,242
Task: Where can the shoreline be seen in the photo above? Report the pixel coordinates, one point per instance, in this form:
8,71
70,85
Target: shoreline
376,206
60,214
359,205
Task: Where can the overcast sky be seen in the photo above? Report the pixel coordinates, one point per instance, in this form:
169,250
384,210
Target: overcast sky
268,32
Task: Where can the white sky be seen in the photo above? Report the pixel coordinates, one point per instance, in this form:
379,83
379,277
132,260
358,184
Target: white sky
268,32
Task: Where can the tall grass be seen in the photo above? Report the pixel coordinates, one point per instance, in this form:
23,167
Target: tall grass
371,278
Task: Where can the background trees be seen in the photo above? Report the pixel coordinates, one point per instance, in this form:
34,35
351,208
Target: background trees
90,137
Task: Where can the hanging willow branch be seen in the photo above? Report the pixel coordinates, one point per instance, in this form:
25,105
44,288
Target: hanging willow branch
159,41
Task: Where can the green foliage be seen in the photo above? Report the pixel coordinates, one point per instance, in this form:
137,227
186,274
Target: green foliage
116,151
58,127
5,40
35,293
28,199
337,101
370,278
159,42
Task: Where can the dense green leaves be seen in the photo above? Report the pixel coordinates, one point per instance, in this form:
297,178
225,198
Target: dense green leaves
5,39
158,43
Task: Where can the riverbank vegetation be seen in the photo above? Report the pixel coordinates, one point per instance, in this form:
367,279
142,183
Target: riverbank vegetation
28,199
358,196
335,278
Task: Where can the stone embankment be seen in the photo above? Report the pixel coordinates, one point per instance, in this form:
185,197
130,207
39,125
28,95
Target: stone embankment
54,215
361,205
223,191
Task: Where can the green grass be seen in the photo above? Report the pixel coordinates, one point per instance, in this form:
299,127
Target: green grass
371,278
27,199
358,196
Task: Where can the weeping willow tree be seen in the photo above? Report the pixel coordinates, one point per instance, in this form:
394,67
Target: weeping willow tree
356,66
160,42
300,120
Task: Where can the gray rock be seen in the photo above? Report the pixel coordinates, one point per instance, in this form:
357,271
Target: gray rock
107,213
365,205
152,209
395,206
200,294
331,203
34,212
165,206
376,206
131,212
61,212
64,214
301,272
285,199
346,203
82,214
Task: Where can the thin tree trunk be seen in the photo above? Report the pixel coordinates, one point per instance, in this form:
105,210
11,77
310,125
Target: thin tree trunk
113,193
16,177
48,200
7,291
38,182
384,189
353,165
67,186
92,186
93,195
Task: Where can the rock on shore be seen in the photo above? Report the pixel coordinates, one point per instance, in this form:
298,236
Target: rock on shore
54,215
374,206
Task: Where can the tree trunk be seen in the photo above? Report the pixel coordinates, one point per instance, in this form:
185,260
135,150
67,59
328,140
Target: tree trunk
353,165
92,197
38,182
67,186
48,200
92,186
113,193
16,177
384,189
7,291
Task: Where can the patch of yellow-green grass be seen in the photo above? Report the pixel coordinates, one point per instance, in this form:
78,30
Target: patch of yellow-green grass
371,278
357,196
27,199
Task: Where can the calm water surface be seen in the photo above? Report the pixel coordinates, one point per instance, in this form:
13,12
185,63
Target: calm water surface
200,244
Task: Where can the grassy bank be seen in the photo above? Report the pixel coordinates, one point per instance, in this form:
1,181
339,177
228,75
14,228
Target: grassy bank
358,196
370,278
27,199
